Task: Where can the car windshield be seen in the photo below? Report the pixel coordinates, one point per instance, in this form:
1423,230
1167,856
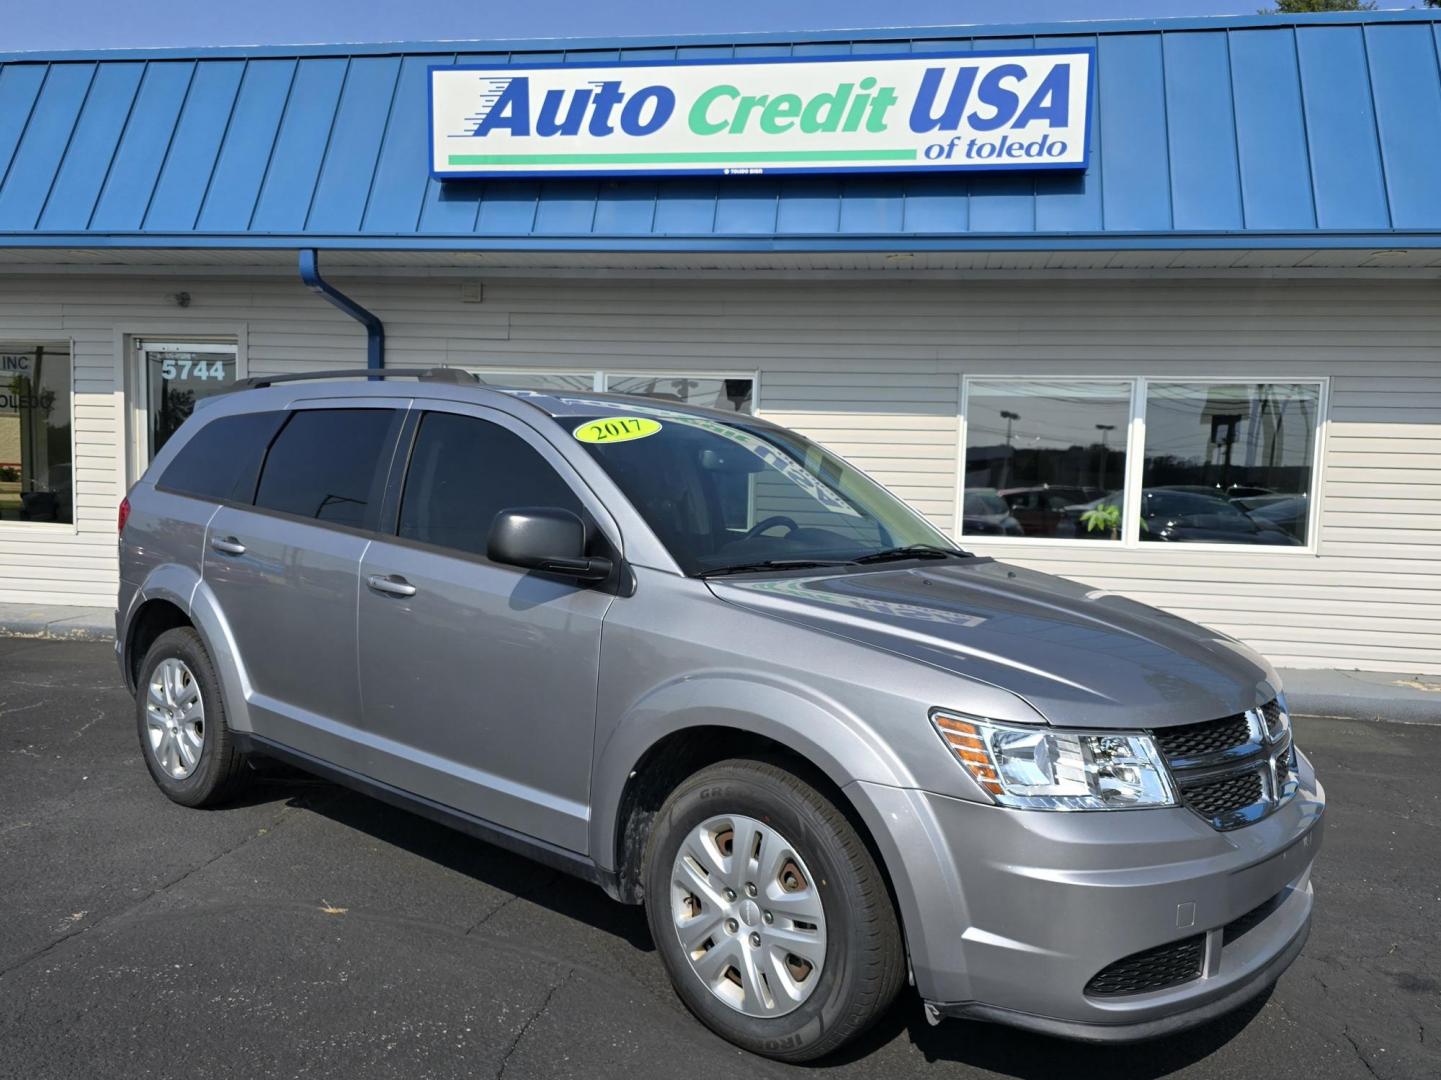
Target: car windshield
722,493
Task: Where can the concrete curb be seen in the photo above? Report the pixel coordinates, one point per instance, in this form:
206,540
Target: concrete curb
57,623
1364,695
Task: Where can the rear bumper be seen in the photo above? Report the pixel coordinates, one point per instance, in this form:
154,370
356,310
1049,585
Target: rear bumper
1010,914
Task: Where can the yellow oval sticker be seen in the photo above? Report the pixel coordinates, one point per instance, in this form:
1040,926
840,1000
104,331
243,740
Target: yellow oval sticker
611,429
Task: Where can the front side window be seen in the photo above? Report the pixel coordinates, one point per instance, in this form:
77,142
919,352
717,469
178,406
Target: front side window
325,464
1220,462
463,472
36,472
724,494
1228,462
1046,458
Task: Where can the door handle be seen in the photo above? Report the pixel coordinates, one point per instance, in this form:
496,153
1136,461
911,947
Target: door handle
228,545
393,585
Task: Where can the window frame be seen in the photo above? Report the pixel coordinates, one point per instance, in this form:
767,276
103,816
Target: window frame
32,528
1130,540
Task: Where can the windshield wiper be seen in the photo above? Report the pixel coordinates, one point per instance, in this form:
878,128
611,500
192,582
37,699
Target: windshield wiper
772,564
913,551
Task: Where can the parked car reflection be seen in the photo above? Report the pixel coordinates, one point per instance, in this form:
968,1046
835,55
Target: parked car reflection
1191,514
1040,510
985,513
1287,512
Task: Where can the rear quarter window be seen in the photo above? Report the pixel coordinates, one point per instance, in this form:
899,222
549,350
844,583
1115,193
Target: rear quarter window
222,459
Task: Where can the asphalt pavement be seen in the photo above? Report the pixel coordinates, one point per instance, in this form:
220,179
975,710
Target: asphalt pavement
309,931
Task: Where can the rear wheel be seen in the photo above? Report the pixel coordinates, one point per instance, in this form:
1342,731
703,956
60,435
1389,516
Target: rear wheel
180,715
769,912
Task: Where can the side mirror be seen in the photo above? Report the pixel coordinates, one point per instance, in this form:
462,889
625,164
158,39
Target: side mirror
546,539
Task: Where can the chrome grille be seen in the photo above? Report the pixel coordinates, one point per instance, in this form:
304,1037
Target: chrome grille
1224,797
1232,771
1275,718
1154,969
1200,740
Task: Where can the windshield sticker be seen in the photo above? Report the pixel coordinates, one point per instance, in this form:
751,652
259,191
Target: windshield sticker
610,429
783,464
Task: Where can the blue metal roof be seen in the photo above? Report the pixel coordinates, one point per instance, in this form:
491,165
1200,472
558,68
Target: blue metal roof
1313,132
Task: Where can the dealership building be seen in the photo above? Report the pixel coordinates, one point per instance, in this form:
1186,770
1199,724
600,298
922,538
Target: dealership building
1151,305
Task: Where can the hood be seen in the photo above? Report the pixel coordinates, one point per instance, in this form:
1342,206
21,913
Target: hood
1081,657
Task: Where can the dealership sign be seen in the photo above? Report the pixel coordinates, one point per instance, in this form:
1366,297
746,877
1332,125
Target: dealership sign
877,113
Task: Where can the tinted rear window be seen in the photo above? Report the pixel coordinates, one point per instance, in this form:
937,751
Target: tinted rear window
223,457
325,464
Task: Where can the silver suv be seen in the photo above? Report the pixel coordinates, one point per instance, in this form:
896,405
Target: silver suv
706,664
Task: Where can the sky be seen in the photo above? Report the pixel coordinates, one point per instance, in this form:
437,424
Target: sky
52,25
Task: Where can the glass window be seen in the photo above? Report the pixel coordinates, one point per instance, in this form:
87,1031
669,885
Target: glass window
36,474
1045,458
176,377
464,471
1228,462
800,502
547,382
324,464
222,459
728,395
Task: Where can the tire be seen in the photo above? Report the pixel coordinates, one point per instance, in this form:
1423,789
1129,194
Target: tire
863,963
218,772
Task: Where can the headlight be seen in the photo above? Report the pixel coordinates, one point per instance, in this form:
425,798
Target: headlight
1037,768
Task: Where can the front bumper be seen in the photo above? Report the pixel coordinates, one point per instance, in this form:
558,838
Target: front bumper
1009,914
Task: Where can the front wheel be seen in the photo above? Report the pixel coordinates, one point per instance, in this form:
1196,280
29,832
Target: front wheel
769,912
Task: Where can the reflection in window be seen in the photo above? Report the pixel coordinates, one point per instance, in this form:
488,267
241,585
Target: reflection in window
547,382
36,475
728,395
1045,458
176,378
1228,462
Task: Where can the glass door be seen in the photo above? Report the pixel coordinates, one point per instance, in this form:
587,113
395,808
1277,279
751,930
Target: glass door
172,377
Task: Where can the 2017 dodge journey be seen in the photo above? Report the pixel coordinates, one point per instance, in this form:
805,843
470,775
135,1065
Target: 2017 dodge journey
701,661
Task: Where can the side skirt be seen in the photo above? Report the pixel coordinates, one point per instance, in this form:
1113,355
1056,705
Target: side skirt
557,858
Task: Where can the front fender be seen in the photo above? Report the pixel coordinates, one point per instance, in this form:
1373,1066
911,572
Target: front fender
831,737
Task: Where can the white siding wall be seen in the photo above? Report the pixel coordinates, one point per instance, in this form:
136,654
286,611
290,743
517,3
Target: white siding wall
873,369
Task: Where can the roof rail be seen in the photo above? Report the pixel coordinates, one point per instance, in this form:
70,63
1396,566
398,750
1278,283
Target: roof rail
456,376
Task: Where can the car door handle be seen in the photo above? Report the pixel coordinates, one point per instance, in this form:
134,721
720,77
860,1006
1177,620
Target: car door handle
228,545
393,585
